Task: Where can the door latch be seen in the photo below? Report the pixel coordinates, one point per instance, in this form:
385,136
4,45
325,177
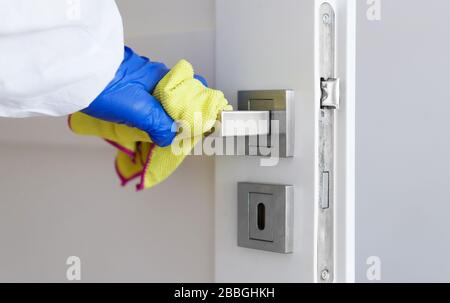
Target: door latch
330,93
329,103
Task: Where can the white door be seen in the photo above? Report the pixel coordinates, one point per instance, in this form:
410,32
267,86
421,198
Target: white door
274,44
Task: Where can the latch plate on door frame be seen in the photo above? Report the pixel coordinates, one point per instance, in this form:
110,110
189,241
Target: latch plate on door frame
329,103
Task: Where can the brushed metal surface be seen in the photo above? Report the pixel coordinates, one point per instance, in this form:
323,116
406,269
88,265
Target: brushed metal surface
279,203
325,240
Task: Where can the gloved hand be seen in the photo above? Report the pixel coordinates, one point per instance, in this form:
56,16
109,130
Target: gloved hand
128,100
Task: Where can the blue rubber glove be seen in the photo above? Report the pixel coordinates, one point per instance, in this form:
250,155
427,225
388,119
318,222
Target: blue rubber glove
128,100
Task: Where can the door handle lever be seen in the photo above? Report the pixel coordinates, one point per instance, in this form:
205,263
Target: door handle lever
245,123
264,120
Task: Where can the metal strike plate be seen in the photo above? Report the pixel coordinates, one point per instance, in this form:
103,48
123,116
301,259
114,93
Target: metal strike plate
326,165
266,217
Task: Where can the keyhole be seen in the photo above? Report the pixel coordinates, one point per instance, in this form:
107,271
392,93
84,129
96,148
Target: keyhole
261,216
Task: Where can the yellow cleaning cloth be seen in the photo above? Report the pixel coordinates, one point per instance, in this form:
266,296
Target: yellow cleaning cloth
192,105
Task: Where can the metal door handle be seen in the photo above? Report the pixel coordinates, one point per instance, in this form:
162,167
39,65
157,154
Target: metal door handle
245,123
265,118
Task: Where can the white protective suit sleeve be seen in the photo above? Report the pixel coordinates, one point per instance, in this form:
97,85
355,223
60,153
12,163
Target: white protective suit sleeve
56,56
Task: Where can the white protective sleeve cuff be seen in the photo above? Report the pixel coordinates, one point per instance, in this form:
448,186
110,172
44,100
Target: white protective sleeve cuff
56,56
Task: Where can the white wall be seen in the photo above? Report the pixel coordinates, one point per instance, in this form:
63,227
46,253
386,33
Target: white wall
403,141
60,196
